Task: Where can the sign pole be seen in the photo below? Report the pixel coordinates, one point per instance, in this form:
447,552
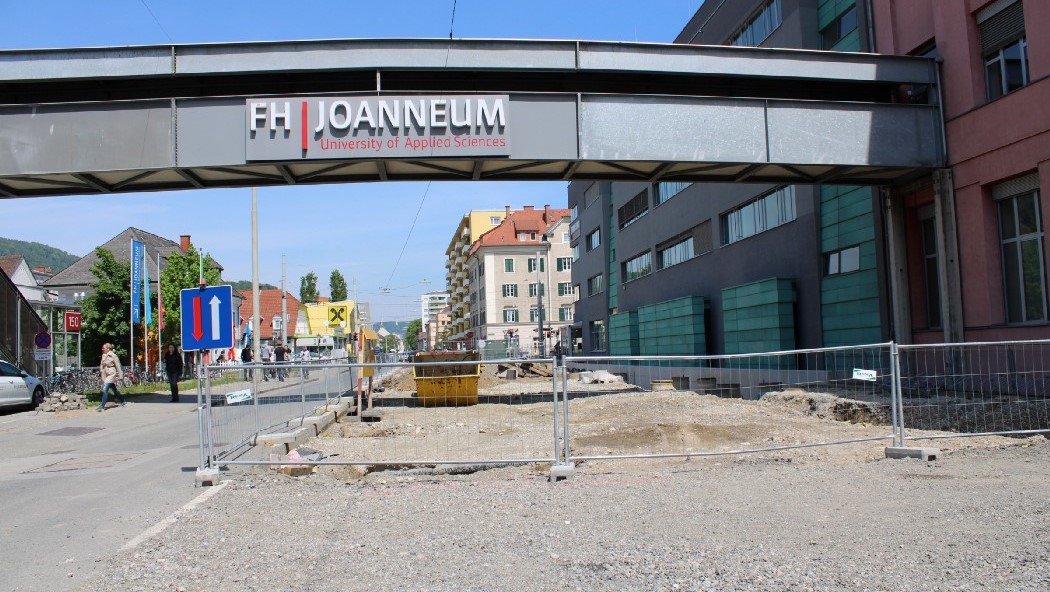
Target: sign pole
131,361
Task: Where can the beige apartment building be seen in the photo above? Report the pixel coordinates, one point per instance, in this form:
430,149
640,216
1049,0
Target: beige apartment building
511,270
470,229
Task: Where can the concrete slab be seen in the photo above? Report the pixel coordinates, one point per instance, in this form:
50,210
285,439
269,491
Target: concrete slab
561,472
926,454
207,477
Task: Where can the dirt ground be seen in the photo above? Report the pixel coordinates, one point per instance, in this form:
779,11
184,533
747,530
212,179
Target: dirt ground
515,422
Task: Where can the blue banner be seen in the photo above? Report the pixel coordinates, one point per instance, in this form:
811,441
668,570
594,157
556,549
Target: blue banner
145,288
136,280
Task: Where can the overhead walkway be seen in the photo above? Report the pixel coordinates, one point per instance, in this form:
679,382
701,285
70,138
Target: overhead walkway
104,120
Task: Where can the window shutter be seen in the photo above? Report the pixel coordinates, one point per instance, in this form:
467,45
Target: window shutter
1000,23
1016,186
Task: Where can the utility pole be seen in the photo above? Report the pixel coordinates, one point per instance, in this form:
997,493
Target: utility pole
539,305
284,302
256,316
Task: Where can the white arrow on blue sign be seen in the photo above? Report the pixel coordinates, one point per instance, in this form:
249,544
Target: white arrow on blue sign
207,318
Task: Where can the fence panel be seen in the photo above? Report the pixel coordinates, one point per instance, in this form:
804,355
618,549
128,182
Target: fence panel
640,407
975,388
242,401
461,412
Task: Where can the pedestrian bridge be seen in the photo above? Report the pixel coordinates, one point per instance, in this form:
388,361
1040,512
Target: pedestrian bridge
149,118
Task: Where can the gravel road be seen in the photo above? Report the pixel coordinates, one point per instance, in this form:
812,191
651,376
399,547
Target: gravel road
975,519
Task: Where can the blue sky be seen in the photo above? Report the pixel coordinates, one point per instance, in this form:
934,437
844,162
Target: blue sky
365,246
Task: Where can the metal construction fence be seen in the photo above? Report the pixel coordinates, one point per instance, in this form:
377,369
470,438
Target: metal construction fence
240,402
584,408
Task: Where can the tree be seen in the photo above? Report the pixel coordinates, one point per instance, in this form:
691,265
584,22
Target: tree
183,272
390,343
106,313
308,288
412,334
245,285
337,285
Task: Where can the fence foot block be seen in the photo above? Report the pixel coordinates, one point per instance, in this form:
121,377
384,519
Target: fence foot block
372,415
207,477
926,454
561,472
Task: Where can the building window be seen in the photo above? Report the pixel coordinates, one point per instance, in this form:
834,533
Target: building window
508,265
638,267
836,30
532,264
594,285
565,313
532,290
1004,47
1006,69
760,26
594,239
576,252
510,290
564,263
842,261
494,220
768,211
932,278
1024,273
597,335
534,314
675,254
526,236
565,289
510,315
576,292
665,191
565,237
633,210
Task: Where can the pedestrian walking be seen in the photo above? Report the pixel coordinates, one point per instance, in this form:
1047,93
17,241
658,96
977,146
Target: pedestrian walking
267,356
246,358
280,355
109,369
304,357
173,366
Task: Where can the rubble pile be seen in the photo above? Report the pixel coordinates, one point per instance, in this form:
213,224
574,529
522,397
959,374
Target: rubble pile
63,402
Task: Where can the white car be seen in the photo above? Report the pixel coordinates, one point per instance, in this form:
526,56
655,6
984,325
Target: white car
18,387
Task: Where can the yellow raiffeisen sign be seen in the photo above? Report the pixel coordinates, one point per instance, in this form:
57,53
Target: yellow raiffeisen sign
338,315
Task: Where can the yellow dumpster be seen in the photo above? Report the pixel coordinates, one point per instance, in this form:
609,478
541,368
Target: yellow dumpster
451,384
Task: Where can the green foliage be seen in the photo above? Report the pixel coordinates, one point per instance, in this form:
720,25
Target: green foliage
390,343
183,272
308,288
412,334
37,254
106,313
337,284
240,285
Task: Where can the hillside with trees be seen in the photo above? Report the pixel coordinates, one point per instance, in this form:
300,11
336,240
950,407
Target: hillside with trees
37,254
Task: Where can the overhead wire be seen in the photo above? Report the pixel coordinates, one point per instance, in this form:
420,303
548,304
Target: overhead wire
393,270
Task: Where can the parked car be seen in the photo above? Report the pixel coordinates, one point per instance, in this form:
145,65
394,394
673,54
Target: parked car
18,387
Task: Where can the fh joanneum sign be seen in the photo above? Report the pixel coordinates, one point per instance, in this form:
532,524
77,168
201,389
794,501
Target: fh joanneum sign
376,127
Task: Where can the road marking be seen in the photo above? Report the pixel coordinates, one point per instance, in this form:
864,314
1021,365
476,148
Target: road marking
160,526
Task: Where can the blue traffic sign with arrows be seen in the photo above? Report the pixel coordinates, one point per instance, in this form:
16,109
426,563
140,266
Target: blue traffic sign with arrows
207,318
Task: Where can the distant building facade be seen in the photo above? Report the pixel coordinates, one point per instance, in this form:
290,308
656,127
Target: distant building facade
470,228
519,275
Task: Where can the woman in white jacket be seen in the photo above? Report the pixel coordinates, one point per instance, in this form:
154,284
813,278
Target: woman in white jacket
110,370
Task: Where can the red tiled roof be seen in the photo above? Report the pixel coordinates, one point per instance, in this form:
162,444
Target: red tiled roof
528,219
10,263
270,307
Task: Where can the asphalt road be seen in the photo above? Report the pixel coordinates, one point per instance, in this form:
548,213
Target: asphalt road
78,485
